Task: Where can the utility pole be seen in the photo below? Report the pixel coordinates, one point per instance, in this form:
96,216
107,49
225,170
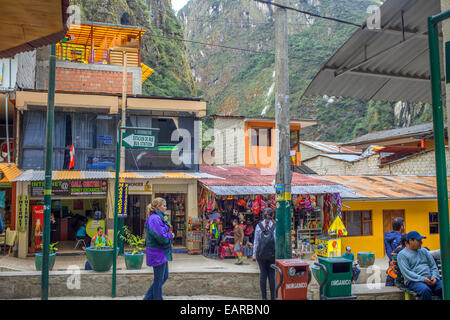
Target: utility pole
122,150
282,115
48,172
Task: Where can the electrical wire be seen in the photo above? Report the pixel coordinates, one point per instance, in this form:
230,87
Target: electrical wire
308,13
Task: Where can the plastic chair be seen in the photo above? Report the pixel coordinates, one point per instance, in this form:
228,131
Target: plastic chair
11,237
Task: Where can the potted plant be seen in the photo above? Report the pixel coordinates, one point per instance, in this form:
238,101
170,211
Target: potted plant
100,257
51,257
134,258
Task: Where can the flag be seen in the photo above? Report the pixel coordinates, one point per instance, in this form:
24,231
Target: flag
72,157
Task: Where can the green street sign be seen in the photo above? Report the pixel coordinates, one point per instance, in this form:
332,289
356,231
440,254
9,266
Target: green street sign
133,140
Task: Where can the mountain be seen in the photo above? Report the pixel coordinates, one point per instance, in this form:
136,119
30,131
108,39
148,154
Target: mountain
160,51
241,82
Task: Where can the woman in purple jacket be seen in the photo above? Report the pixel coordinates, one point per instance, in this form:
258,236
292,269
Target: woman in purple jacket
159,247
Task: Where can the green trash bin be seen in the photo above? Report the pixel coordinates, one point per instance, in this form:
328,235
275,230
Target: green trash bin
335,278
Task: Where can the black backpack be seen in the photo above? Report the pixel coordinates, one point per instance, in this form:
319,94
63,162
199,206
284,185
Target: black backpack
266,243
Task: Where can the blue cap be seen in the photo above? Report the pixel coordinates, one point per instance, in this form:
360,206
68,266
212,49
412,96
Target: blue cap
414,235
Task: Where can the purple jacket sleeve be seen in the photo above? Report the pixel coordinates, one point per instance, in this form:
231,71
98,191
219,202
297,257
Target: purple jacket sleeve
159,230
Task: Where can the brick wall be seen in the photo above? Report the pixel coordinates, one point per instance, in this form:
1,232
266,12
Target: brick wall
70,79
422,164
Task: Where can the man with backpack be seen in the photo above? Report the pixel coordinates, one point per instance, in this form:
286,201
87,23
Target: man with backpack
264,252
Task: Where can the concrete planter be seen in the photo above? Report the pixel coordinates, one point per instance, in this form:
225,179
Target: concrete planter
38,261
134,261
100,260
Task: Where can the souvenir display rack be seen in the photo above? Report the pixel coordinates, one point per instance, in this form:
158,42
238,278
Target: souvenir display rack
194,236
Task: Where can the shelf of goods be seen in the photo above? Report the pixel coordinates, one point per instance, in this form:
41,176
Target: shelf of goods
194,236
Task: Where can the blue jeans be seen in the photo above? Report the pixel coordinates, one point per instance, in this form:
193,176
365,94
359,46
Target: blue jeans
424,291
356,272
160,275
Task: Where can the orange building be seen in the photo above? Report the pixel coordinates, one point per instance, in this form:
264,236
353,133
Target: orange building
251,142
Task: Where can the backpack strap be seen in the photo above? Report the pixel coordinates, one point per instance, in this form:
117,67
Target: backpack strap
261,227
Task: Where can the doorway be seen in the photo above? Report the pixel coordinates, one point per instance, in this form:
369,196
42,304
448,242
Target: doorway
136,217
388,217
176,204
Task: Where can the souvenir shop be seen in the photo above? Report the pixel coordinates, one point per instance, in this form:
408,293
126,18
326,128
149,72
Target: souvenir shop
312,216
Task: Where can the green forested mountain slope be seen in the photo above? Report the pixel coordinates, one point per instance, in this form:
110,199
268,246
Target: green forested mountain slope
242,83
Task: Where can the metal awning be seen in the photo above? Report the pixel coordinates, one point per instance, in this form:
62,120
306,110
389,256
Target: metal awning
388,64
39,175
27,24
249,190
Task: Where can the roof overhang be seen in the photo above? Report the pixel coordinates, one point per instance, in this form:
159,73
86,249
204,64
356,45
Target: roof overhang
387,64
29,24
303,123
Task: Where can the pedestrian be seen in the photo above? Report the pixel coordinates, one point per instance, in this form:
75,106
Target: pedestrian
419,268
392,240
350,256
264,252
392,272
238,240
159,247
52,228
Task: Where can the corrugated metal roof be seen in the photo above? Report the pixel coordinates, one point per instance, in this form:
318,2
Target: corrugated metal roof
39,175
387,187
343,157
245,180
413,131
331,147
11,172
378,64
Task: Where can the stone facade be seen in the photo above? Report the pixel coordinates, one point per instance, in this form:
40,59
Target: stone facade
229,142
422,164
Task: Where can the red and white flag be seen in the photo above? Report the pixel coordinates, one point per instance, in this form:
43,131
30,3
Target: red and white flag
72,157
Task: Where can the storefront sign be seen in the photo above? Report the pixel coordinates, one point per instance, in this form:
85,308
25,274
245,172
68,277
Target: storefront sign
139,187
22,213
67,188
133,140
123,200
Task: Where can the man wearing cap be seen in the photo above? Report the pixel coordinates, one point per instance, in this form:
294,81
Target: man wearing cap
418,268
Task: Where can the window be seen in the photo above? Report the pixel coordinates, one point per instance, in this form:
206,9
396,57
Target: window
93,136
358,223
434,222
261,137
295,139
160,158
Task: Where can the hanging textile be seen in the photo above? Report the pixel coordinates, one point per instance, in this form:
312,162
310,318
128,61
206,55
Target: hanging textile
326,212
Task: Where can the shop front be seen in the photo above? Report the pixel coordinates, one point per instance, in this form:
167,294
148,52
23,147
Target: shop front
315,206
74,202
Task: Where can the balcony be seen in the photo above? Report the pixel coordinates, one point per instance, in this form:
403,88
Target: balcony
90,58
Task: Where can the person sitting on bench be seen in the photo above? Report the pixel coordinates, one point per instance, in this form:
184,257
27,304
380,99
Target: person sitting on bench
419,268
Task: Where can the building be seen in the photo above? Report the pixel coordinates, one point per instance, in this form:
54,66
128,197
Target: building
374,201
88,106
250,142
402,151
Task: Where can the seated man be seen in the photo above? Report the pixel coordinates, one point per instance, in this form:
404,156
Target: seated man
81,234
100,238
418,268
350,256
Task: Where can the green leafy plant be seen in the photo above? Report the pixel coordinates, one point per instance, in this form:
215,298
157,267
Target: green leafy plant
135,242
108,245
52,247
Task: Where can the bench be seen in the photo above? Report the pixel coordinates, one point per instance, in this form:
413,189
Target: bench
400,280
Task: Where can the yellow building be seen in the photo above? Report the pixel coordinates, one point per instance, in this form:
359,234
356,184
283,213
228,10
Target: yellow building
372,202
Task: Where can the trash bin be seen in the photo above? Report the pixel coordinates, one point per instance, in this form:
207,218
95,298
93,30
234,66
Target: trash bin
293,277
334,276
365,259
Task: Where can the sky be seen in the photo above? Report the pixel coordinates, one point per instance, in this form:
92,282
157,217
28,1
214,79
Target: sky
178,4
